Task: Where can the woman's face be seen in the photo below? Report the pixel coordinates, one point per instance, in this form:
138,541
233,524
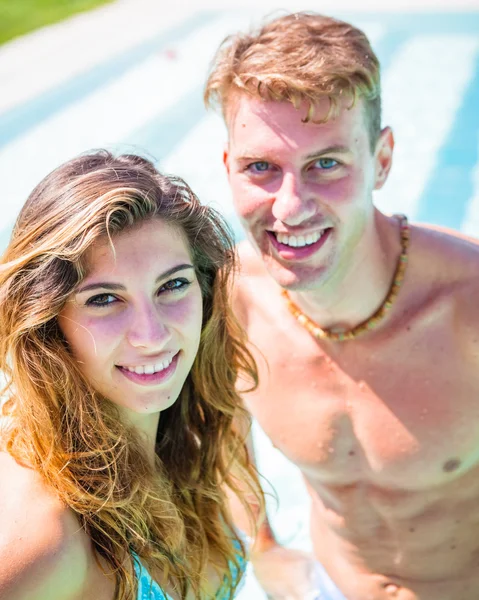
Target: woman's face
134,322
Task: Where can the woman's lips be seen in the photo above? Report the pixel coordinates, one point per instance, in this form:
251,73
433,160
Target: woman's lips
153,378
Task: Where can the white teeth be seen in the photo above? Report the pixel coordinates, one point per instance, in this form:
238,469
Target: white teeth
150,369
300,241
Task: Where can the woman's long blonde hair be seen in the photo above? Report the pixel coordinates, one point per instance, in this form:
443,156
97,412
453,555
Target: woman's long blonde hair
175,515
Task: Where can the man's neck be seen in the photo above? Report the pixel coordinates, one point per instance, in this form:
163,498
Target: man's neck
350,299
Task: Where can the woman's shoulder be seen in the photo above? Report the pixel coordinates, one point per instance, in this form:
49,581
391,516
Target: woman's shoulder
23,492
41,557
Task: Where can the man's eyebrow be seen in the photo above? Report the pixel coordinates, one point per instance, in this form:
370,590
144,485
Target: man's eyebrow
329,150
105,285
337,149
249,157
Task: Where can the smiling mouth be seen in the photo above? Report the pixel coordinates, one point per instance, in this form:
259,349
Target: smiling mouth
299,241
151,374
149,369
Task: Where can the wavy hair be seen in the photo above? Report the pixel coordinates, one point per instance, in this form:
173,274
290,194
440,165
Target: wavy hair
299,57
173,515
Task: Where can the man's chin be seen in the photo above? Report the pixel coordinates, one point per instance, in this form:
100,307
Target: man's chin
295,279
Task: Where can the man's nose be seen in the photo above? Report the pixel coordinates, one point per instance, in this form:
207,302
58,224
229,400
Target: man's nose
292,204
148,327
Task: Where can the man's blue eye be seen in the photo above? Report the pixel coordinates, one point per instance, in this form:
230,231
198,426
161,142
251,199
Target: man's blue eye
261,166
327,163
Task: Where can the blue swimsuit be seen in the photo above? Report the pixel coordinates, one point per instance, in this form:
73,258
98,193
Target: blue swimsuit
148,589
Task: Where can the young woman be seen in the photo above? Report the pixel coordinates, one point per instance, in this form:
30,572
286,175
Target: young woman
120,355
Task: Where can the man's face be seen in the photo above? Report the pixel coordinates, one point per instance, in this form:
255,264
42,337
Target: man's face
303,190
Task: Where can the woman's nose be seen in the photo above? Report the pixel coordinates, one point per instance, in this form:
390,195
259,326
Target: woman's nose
148,328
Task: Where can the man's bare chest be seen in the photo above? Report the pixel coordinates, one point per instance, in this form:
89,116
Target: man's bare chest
397,415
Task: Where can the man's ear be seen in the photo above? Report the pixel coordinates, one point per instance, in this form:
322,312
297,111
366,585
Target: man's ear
226,158
384,157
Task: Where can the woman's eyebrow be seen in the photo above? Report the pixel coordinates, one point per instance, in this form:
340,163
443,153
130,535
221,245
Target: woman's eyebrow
105,285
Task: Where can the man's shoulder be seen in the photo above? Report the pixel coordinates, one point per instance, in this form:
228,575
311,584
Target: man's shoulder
458,250
252,272
40,557
253,283
446,258
451,261
250,263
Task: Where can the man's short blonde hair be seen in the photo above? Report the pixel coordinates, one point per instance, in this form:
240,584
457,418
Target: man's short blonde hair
300,57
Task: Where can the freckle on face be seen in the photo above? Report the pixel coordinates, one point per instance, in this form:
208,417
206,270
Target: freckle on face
451,465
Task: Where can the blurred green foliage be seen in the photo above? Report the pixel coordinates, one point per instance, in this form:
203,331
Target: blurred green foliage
21,16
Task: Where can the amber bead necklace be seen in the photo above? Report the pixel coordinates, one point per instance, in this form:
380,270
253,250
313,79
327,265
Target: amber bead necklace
324,334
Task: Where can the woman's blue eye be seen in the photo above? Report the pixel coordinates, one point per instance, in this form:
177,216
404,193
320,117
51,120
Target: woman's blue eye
174,285
101,300
326,163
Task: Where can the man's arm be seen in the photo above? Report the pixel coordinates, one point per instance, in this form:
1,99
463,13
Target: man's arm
282,572
260,532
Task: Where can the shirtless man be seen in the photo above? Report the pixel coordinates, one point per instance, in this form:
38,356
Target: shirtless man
371,384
